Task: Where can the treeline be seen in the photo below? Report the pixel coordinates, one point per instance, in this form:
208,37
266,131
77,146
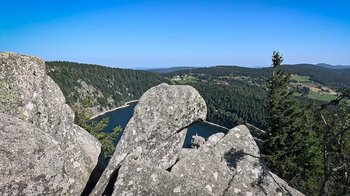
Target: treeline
223,70
307,146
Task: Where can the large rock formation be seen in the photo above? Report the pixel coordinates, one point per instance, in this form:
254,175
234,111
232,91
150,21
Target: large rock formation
42,151
156,132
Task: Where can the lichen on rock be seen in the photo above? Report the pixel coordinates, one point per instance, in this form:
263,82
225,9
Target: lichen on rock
43,152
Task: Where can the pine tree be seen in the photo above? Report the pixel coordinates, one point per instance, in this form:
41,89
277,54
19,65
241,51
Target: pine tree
96,129
334,124
289,147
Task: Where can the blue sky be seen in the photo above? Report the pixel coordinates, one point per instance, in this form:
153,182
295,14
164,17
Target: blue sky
178,33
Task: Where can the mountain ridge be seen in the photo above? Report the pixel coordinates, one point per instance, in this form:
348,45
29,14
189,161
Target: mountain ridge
181,68
325,65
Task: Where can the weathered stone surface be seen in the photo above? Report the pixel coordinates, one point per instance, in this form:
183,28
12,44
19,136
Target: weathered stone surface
212,141
33,100
29,160
156,131
215,138
229,165
137,178
185,152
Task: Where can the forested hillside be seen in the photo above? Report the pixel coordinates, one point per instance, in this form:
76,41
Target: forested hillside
233,94
103,87
233,104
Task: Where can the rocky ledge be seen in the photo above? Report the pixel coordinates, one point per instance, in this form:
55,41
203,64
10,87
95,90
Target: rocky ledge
45,153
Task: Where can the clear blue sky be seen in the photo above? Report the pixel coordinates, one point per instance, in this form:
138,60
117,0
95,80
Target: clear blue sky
177,33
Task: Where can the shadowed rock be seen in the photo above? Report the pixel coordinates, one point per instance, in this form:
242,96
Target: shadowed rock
42,151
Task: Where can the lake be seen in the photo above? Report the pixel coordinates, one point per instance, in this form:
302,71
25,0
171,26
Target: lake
121,116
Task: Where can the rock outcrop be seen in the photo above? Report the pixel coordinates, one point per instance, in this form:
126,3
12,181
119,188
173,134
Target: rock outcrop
42,151
157,129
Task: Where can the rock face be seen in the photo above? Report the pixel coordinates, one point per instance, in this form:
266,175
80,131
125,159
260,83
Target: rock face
157,129
42,151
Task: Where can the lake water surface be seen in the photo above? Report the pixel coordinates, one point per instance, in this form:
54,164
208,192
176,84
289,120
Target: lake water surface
121,116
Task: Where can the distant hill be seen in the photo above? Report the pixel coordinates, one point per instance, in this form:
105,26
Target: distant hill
324,65
225,70
169,70
336,78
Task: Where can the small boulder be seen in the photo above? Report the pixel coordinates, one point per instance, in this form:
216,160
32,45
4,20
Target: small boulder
197,141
